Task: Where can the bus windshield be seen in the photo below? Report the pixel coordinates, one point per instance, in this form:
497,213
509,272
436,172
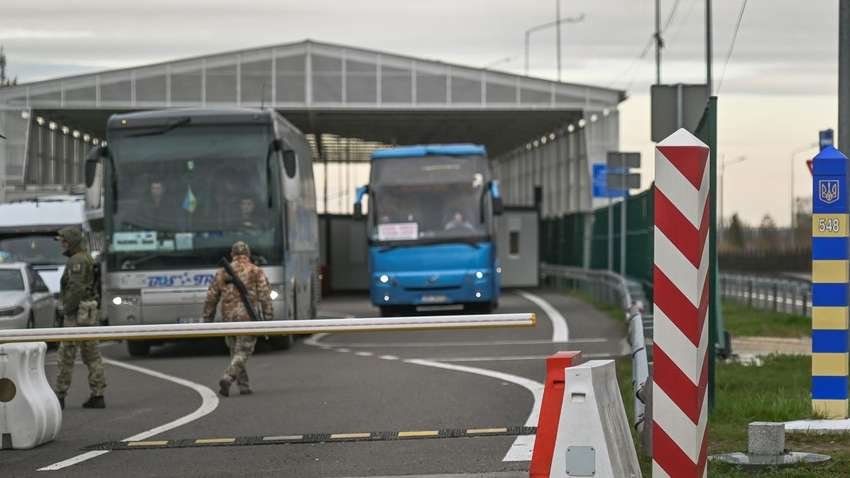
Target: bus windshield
430,199
185,195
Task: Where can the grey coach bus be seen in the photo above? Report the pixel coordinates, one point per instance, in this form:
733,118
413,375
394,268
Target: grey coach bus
178,188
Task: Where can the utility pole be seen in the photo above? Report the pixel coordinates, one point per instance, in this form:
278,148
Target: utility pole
844,75
558,35
658,42
708,53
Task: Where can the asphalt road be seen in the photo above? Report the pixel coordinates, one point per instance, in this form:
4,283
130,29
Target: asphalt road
335,385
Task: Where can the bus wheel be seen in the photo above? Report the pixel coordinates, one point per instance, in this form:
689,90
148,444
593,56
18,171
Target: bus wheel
138,348
281,342
482,308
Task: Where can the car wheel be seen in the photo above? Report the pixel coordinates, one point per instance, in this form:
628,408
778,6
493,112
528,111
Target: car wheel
138,348
281,342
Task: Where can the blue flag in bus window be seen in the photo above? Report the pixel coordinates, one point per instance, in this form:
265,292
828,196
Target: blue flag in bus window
190,202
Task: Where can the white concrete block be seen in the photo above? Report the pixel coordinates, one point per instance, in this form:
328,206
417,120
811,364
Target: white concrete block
594,437
29,410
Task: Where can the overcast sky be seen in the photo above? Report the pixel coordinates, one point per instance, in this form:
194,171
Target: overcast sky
778,90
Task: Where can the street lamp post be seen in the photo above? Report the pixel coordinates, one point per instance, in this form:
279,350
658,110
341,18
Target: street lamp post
544,26
794,154
723,165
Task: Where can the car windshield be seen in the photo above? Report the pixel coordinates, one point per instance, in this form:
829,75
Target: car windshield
11,279
432,198
184,196
37,249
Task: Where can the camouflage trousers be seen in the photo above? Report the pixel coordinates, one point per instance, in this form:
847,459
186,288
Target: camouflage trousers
66,356
241,348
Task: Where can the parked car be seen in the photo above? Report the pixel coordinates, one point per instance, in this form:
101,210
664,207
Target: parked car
25,300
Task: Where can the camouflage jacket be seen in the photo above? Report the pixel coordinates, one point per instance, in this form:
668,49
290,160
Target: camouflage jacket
232,309
77,281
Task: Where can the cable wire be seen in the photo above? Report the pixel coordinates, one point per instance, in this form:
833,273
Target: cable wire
732,46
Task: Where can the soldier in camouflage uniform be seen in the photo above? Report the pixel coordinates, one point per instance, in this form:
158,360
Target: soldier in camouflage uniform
77,295
232,309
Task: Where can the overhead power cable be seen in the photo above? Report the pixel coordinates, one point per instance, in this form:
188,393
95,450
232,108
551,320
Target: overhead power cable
732,45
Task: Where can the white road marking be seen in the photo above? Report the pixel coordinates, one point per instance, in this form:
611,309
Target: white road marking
560,330
508,358
343,350
363,354
523,445
314,340
389,357
209,402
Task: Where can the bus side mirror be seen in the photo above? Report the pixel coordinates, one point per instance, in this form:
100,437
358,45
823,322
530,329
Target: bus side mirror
496,194
93,160
358,201
289,163
498,207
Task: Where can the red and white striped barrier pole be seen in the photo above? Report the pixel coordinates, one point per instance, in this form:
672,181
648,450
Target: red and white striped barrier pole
681,295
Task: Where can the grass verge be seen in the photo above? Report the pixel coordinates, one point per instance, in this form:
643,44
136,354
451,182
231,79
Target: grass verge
743,321
776,391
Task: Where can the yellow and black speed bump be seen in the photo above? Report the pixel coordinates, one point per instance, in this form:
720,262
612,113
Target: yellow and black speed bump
315,438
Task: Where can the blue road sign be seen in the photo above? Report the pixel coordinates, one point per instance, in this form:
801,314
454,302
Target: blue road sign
600,183
826,138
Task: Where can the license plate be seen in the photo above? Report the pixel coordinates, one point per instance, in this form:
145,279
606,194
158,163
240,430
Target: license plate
190,320
434,299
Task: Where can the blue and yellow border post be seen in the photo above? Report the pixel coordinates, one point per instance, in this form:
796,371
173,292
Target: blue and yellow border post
830,278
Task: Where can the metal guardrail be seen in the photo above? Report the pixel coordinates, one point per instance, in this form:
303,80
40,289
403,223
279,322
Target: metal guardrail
610,288
779,294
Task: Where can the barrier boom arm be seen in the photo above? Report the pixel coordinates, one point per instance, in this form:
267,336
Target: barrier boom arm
272,327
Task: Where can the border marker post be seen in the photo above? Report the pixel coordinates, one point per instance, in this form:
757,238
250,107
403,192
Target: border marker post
681,278
830,254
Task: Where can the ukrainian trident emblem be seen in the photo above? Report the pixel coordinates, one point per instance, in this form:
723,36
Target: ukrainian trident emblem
828,190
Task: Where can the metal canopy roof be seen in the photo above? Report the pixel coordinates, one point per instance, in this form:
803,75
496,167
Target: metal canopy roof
327,88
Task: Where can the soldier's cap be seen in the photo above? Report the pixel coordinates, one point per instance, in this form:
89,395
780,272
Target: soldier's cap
240,249
70,234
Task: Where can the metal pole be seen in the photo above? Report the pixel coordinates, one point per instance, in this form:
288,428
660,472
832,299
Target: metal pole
527,35
708,54
844,75
623,231
657,42
610,235
558,35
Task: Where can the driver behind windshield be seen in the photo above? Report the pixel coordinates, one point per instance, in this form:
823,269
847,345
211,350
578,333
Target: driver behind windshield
459,223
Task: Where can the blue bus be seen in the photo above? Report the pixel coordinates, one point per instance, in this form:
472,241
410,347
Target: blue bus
431,228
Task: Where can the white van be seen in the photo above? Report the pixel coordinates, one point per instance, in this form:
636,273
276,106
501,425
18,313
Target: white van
28,228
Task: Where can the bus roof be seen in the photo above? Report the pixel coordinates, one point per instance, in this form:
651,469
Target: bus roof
419,151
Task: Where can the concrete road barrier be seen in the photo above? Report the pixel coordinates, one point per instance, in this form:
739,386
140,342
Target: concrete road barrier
29,411
594,437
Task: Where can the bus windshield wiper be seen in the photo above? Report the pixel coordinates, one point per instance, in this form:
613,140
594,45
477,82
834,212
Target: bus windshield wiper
176,124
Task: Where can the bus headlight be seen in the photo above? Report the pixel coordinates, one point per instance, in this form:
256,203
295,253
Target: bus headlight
120,300
479,275
384,278
274,295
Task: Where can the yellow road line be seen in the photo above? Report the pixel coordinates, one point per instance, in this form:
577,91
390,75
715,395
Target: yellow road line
478,431
343,436
284,437
210,441
422,433
148,443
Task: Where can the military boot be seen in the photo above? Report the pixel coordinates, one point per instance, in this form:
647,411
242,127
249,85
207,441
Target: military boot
224,386
95,401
